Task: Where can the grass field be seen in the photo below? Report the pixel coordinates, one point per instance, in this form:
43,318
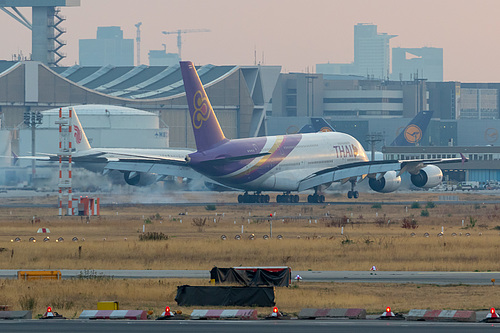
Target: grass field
70,297
316,237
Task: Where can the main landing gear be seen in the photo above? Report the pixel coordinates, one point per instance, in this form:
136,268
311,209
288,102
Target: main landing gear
287,198
253,198
317,197
353,194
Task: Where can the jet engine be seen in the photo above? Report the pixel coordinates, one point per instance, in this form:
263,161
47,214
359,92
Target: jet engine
428,177
388,183
139,178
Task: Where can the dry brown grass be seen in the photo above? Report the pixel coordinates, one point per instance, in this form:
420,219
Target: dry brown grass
111,241
389,253
70,297
374,241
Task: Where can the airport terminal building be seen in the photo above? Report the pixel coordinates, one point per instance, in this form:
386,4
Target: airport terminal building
239,94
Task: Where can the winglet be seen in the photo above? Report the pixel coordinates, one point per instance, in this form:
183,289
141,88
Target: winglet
464,159
15,158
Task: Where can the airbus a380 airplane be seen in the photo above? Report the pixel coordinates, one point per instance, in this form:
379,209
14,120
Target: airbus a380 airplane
290,163
287,163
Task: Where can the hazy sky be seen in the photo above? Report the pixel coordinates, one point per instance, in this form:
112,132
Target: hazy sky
295,34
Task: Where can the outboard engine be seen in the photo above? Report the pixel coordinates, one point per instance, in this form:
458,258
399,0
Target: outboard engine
428,177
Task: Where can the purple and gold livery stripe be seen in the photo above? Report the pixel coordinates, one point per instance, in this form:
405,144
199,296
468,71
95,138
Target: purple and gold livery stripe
263,160
283,146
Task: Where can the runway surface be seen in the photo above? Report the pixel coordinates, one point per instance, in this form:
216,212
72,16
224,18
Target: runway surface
144,196
441,278
261,326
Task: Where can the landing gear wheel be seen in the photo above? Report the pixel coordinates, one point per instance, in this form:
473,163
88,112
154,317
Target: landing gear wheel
316,198
253,198
287,198
349,194
356,194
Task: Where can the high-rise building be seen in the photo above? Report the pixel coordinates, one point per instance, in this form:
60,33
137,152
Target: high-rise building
371,55
371,51
417,63
109,48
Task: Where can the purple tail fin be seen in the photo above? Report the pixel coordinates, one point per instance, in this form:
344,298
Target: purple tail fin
207,131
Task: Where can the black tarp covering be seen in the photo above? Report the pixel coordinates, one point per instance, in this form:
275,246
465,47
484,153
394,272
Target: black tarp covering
224,296
253,276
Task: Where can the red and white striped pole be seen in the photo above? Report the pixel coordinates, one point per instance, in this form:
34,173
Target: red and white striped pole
60,163
70,141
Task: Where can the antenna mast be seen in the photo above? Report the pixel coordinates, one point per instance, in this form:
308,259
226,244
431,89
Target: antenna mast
138,43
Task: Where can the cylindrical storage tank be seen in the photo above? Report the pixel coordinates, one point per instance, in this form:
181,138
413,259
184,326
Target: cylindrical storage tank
106,126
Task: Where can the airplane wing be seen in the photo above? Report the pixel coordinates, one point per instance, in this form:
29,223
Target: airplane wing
161,168
164,168
114,156
372,169
55,157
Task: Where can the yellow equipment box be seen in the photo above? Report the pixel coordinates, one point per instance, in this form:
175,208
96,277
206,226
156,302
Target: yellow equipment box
39,275
108,305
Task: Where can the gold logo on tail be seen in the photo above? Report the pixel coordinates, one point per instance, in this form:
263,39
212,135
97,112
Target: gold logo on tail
413,134
201,109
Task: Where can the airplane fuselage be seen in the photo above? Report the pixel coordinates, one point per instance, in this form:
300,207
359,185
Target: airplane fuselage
276,163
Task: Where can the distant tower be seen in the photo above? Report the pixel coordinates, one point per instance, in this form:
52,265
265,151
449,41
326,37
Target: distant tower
162,58
138,43
426,61
109,48
45,42
371,51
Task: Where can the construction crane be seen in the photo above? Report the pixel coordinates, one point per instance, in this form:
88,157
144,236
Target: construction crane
138,43
179,38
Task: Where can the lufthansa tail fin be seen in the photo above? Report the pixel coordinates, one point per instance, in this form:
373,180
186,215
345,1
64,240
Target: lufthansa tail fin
317,125
81,142
414,131
207,131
